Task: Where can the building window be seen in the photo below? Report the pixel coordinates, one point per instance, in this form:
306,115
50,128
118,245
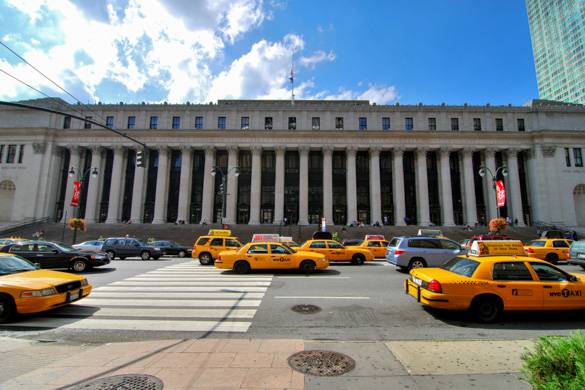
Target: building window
21,154
578,157
11,154
153,122
110,121
568,157
198,122
292,122
363,123
432,123
454,124
477,124
267,123
408,123
521,126
221,122
67,122
245,122
339,123
386,123
316,123
87,124
176,122
131,122
499,124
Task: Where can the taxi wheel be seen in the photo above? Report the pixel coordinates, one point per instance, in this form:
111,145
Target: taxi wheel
205,258
242,267
111,255
182,253
417,262
78,266
308,267
6,309
487,309
358,259
552,258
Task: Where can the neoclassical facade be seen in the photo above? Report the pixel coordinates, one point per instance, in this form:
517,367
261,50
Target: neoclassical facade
296,163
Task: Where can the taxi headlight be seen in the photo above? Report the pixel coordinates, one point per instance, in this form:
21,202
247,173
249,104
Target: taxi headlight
84,282
38,293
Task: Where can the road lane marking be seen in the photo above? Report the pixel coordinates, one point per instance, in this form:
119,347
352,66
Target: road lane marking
313,277
173,295
80,310
187,279
183,289
124,283
165,302
316,297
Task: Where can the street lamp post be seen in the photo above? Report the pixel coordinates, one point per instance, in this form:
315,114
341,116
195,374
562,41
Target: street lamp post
483,171
81,180
223,175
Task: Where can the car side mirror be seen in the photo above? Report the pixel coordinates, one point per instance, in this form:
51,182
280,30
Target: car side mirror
37,266
573,278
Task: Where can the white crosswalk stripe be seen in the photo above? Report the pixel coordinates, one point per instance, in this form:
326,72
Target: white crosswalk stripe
184,297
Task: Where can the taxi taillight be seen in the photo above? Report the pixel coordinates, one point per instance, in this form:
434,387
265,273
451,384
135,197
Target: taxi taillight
529,250
435,286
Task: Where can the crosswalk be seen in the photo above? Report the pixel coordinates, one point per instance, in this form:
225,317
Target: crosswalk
185,297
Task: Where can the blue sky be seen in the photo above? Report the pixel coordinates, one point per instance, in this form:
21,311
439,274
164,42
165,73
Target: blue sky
407,51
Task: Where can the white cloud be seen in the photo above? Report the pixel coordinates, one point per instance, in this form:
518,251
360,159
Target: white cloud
317,57
240,17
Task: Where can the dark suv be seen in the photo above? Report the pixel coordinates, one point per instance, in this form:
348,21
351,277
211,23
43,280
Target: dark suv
123,247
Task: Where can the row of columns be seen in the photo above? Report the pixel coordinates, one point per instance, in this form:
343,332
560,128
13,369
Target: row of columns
162,182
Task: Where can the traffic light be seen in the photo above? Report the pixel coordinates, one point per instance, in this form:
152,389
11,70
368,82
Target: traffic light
221,188
140,158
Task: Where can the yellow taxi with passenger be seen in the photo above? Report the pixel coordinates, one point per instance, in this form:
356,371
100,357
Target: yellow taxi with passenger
26,289
270,255
375,243
496,276
207,248
334,251
552,250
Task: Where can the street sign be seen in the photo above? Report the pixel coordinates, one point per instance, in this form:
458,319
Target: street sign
76,191
500,193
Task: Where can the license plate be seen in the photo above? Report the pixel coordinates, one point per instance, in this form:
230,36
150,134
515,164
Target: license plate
417,281
74,295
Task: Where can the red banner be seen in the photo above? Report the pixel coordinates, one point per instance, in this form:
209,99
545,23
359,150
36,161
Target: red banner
500,193
75,197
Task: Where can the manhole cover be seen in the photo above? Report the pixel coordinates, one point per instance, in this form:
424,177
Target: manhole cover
321,363
123,382
306,309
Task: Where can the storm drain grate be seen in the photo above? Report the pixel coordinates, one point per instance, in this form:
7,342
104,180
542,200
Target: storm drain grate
321,363
123,382
306,309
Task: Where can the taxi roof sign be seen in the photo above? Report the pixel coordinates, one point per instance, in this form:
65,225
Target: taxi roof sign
265,237
430,233
374,237
220,233
497,248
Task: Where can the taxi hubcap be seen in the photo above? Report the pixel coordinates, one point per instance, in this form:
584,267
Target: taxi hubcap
417,264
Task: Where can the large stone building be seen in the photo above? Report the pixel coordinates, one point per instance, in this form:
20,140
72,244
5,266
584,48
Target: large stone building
343,160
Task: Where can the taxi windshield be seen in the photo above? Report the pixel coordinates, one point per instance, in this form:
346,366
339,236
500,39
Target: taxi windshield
13,264
461,266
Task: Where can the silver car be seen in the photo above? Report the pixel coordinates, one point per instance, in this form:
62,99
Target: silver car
93,246
419,251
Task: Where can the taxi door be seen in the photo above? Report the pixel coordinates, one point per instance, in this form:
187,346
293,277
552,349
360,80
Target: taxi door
259,257
376,248
280,257
336,251
319,247
513,282
558,291
216,246
561,249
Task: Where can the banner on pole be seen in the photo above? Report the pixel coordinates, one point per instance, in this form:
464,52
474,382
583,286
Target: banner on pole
76,191
500,193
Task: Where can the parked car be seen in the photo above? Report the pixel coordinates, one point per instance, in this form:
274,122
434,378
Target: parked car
172,248
122,247
410,252
577,253
93,246
553,251
53,255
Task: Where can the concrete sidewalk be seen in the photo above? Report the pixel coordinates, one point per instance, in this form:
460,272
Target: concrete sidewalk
262,364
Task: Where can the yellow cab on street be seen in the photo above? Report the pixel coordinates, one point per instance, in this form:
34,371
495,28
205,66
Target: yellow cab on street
496,276
270,255
25,289
334,251
375,243
207,248
551,250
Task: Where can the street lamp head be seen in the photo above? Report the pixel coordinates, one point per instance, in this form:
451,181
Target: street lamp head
94,172
504,171
71,172
482,172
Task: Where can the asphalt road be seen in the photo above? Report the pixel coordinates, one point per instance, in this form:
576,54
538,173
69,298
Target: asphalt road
177,298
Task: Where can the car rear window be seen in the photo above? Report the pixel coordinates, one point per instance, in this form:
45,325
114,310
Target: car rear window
461,266
536,243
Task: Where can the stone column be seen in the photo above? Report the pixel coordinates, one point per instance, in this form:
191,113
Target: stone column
232,186
469,188
68,210
328,185
116,186
446,191
490,163
351,185
93,195
375,192
303,186
423,187
279,186
185,184
398,186
552,184
162,184
137,209
516,194
208,187
536,182
255,185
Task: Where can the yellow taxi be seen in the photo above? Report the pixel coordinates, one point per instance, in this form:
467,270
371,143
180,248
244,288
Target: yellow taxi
25,289
270,255
552,250
376,244
207,248
496,276
334,251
